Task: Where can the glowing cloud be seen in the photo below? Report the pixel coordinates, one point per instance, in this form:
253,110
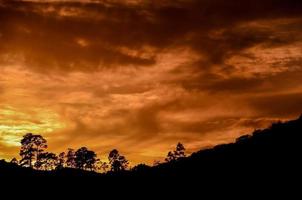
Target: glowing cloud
141,76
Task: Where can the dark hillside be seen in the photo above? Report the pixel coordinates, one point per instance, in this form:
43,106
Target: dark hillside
265,152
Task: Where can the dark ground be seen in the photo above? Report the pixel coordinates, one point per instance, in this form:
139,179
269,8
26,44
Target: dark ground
267,157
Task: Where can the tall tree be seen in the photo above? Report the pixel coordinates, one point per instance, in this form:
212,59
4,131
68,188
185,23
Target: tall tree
46,161
61,160
117,161
178,153
27,151
85,159
70,159
31,147
40,144
170,157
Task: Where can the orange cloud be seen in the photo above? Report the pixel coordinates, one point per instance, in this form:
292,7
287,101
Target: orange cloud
141,76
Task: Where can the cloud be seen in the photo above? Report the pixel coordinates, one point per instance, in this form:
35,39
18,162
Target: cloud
278,105
37,30
141,76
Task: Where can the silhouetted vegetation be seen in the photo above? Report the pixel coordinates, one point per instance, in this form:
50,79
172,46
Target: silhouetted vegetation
117,161
178,153
85,159
46,161
31,147
262,152
70,159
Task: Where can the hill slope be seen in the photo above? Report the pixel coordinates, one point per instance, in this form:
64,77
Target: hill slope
266,152
269,152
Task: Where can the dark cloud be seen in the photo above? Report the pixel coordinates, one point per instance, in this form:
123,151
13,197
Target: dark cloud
278,105
238,85
88,36
148,73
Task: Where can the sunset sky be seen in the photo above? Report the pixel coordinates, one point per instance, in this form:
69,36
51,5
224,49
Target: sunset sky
142,75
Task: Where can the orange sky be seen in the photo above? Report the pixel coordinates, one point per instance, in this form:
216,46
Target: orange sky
141,76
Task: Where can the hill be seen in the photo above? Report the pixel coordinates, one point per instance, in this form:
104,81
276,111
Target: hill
275,150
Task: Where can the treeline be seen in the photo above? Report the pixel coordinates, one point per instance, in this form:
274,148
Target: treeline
34,155
264,152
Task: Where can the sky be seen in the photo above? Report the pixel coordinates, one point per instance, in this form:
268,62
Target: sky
141,76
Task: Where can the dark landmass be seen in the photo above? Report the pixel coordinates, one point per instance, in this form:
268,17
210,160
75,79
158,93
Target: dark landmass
272,152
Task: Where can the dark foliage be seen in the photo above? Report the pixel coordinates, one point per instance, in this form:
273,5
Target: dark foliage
177,154
85,159
118,162
46,161
31,146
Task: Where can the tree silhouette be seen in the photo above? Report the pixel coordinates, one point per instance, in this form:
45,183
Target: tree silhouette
40,144
31,147
178,153
101,166
70,158
46,161
170,157
27,151
104,166
14,161
117,162
61,160
85,159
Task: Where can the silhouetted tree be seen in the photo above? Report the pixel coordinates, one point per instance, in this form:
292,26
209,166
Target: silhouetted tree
117,162
170,157
101,166
104,166
46,161
31,147
14,161
178,153
70,159
27,151
61,160
85,159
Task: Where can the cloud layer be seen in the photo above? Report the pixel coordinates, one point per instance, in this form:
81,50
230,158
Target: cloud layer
140,76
